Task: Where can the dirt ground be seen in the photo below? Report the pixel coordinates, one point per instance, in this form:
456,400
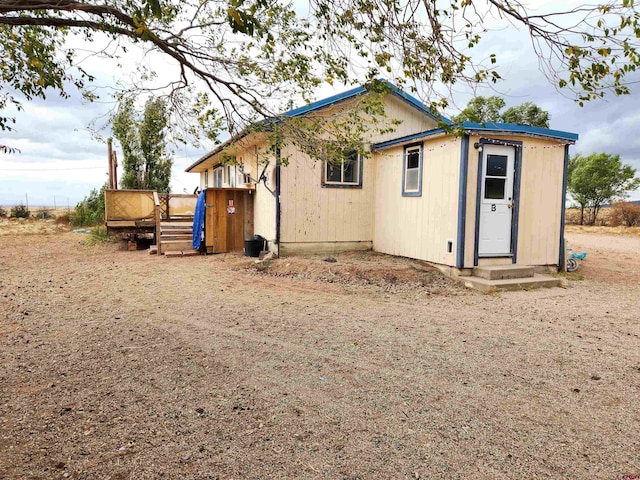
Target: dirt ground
121,365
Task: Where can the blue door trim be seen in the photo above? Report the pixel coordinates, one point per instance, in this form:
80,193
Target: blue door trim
563,200
516,196
462,200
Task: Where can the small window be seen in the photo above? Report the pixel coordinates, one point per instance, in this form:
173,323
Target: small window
495,179
344,173
206,179
412,171
217,177
494,188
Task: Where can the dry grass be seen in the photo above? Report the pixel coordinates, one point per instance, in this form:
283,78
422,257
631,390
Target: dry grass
620,230
120,365
30,226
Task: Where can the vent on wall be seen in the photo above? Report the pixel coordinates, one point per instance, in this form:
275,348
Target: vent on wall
449,246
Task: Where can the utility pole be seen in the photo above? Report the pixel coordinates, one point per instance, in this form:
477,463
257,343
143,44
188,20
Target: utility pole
114,165
110,162
26,196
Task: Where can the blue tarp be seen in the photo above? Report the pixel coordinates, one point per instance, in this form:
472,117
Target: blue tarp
198,221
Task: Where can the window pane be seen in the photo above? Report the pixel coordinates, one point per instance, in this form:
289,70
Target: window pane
333,173
350,167
411,180
413,158
494,188
497,165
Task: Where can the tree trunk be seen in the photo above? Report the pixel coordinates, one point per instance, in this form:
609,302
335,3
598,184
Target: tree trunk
581,214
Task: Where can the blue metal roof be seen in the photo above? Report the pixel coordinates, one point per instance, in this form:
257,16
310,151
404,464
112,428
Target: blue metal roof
493,127
524,129
401,94
297,112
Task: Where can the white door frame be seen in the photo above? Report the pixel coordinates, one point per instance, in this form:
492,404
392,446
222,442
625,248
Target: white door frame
508,204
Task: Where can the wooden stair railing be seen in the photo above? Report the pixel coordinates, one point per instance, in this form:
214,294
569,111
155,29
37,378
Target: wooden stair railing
156,200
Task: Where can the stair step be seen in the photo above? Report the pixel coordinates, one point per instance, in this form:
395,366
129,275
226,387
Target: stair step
182,253
175,245
182,231
178,236
181,224
504,272
509,284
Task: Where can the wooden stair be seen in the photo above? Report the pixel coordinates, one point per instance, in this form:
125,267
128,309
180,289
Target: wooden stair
176,238
508,277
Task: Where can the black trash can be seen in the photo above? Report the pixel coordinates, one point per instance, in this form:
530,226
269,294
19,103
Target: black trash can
254,246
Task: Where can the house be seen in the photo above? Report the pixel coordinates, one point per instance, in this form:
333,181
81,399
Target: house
491,196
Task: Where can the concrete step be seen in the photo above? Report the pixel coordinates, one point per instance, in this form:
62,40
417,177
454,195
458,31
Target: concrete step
182,253
504,272
509,284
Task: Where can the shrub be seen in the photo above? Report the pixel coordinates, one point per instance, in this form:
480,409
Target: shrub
20,211
90,211
63,219
98,235
44,214
625,213
3,213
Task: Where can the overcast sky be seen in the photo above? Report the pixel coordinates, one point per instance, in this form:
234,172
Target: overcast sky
61,161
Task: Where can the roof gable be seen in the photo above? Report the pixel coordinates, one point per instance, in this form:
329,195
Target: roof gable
327,102
340,97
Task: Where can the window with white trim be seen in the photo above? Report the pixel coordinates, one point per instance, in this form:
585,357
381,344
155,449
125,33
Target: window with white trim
345,172
412,171
206,179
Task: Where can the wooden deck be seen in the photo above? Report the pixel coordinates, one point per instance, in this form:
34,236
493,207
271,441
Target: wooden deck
138,212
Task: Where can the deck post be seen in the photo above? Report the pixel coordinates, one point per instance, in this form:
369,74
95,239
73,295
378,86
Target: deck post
156,200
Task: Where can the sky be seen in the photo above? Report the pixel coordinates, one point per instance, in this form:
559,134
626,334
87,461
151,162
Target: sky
61,160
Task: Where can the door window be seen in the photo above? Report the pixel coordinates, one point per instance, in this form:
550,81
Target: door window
495,179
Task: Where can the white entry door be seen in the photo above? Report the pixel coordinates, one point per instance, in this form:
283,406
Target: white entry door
496,201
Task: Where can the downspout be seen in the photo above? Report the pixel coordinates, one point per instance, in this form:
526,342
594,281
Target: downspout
278,199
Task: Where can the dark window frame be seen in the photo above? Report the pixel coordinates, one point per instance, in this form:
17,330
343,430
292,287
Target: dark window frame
407,148
341,184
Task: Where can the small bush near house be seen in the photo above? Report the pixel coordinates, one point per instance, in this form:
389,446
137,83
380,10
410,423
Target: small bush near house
20,211
89,211
44,214
63,219
3,213
625,213
98,235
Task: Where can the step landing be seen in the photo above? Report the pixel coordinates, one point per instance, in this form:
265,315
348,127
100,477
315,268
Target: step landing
504,272
509,284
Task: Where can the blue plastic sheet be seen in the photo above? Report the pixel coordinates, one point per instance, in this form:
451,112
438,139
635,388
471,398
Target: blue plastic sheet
198,222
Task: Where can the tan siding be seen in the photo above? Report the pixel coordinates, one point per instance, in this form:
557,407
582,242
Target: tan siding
312,213
540,201
418,227
252,157
412,121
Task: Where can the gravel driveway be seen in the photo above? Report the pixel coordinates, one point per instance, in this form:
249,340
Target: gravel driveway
121,365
